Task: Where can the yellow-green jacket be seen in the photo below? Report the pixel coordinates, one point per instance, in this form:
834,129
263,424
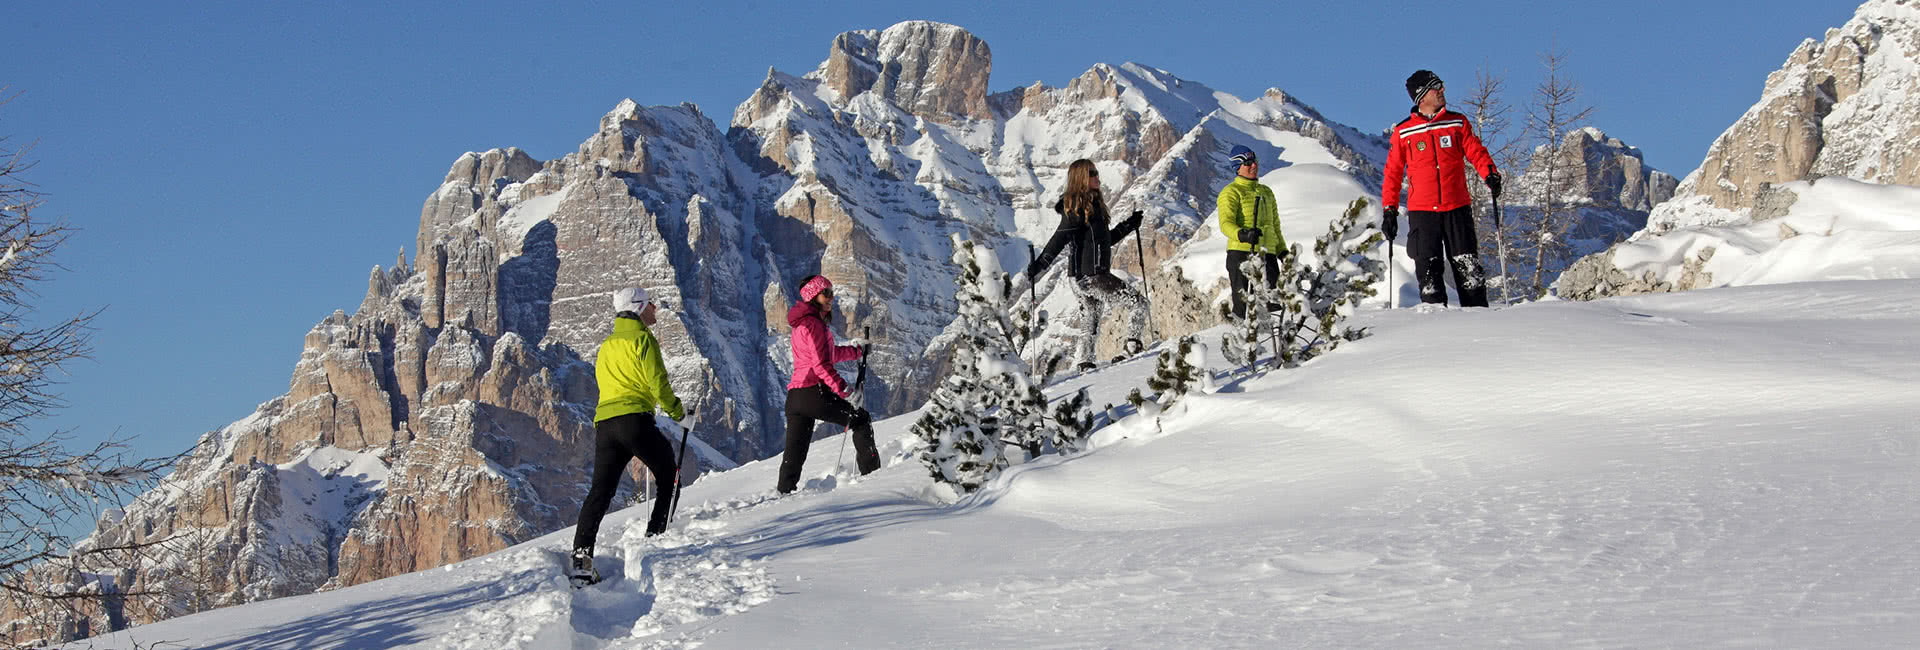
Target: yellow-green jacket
631,374
1245,203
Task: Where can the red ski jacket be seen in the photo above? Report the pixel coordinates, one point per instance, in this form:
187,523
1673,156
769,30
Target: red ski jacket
1431,154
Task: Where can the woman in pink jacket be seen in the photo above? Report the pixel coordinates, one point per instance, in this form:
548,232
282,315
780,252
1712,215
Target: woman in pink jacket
817,392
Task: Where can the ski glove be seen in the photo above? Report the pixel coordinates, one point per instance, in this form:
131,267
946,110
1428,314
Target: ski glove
1390,221
1249,235
1493,184
1134,221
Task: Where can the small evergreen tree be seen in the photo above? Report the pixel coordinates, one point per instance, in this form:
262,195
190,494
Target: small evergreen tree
1303,315
1076,422
1343,276
990,399
1177,374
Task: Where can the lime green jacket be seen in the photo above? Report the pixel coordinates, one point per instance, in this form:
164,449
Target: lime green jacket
1245,203
631,374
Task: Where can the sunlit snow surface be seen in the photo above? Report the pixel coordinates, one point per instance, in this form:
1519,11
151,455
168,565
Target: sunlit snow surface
1720,468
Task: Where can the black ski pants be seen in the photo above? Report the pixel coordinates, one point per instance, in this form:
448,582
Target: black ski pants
808,406
1439,240
1237,280
618,440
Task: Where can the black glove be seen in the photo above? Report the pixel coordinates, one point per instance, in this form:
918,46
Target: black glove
863,349
1493,184
1134,221
1390,221
1249,235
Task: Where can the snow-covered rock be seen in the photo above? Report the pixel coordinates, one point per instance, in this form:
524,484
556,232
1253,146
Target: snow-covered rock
1846,107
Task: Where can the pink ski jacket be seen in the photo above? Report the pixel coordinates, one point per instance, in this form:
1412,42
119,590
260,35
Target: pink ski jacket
814,352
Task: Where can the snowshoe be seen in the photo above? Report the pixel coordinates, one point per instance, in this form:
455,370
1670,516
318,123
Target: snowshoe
582,573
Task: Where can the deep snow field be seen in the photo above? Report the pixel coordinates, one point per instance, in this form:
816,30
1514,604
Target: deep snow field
1734,467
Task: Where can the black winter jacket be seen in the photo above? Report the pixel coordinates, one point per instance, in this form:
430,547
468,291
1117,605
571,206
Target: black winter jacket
1089,244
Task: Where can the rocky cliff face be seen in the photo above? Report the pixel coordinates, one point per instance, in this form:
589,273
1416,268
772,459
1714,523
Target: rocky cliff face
1841,106
1608,182
1847,105
451,414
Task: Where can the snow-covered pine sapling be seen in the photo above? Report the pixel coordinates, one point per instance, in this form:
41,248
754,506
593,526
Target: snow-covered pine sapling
1177,374
1344,276
990,398
1241,342
1075,420
962,427
1273,310
1316,299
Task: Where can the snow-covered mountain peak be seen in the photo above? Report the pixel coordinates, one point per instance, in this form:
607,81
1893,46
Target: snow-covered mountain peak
1841,106
1844,107
936,70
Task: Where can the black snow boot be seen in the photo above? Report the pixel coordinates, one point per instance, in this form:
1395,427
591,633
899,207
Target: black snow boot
583,573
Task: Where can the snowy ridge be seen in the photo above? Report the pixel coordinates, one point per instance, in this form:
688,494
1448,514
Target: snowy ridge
1716,472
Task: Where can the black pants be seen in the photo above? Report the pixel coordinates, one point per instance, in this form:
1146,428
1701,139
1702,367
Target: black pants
1238,280
618,440
1438,240
807,406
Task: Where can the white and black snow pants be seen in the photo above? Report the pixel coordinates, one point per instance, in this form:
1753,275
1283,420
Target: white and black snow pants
1100,296
1439,240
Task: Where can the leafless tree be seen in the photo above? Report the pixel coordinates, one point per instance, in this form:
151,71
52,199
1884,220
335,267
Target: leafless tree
1544,232
1486,106
46,485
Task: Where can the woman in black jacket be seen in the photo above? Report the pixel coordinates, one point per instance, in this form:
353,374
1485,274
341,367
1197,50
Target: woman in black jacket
1085,234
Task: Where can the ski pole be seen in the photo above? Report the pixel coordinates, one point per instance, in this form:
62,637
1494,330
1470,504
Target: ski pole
1500,239
1146,284
1393,290
1033,286
685,431
859,379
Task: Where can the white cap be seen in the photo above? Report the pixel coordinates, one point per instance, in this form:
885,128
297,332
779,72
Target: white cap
633,299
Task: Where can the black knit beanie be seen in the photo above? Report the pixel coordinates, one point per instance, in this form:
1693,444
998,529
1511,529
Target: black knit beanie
1421,82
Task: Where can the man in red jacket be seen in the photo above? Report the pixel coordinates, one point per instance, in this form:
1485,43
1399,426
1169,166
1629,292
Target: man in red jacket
1430,149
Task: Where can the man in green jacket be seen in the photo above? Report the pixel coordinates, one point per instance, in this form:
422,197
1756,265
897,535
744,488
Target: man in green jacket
632,379
1251,222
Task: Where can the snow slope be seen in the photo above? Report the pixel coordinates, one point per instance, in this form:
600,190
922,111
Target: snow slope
1836,229
1720,468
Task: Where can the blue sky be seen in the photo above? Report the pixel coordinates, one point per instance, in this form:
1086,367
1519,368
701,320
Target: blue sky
235,169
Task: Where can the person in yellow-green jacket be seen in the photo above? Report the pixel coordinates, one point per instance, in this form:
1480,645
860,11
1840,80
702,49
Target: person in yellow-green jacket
1251,222
633,381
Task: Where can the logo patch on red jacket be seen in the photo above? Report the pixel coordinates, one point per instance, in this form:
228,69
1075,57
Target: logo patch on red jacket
1420,145
1446,141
